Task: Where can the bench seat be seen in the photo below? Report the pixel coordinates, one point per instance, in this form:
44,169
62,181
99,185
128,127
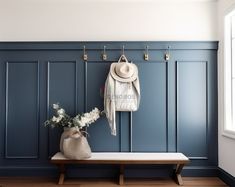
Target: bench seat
122,158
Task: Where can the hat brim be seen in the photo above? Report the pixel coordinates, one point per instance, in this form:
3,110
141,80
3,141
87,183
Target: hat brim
116,77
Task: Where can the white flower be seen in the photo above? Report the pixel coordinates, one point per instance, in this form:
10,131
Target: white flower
56,106
58,119
61,112
87,118
79,121
82,122
54,119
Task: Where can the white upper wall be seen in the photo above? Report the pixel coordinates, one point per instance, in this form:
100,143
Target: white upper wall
107,20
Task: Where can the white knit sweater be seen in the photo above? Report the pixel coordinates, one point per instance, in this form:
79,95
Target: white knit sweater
120,96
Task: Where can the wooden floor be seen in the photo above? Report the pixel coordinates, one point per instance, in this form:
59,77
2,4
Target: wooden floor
45,182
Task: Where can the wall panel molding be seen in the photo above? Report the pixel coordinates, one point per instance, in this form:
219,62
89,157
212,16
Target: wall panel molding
205,64
153,83
160,125
62,83
18,147
48,81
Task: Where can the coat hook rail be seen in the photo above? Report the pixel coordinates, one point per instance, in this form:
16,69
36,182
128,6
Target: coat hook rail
104,55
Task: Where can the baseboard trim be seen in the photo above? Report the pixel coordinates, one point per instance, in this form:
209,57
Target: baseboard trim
26,171
200,171
226,177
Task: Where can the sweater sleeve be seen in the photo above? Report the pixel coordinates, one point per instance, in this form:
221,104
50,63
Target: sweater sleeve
136,84
109,103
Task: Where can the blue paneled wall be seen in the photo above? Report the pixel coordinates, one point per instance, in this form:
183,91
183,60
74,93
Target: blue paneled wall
178,109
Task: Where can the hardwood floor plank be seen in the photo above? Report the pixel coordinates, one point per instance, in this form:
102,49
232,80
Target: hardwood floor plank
165,182
201,181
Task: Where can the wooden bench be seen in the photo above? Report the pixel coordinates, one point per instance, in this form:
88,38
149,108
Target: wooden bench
122,159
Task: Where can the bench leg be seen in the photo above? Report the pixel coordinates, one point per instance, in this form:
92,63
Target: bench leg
62,174
177,174
121,175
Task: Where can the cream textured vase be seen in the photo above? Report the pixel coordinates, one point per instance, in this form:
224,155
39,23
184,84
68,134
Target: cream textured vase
74,145
76,148
67,133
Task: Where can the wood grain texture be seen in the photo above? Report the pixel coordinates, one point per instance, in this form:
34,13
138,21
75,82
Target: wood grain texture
51,182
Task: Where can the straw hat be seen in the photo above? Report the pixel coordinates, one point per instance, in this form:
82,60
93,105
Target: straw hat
124,71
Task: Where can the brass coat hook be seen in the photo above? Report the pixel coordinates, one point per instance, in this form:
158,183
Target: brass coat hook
104,55
85,55
123,53
167,54
146,54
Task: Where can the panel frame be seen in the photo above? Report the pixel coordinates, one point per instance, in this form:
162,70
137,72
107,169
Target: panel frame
176,109
165,63
49,62
6,156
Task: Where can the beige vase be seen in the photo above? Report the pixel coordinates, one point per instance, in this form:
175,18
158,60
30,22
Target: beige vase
74,145
67,132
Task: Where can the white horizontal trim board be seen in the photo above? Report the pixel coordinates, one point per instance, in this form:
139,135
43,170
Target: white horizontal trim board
129,156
